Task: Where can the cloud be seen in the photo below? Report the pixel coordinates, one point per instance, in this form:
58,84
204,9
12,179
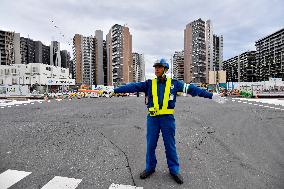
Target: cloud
156,26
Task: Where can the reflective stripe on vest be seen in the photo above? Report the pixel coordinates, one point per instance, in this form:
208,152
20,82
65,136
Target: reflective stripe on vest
156,108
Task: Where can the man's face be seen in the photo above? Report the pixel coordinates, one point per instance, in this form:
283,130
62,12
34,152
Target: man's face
159,70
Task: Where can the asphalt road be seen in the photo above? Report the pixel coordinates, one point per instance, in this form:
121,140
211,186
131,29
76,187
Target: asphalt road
102,141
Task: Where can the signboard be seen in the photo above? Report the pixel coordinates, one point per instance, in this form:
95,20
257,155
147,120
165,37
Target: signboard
61,82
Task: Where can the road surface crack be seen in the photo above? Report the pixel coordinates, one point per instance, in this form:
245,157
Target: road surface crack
126,157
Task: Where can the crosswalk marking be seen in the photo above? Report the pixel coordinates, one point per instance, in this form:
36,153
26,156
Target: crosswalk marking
11,177
62,183
120,186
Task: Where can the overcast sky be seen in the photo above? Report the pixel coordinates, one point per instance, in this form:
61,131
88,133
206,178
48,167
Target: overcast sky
156,26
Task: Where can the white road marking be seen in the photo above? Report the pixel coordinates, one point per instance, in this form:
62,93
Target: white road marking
11,177
10,103
120,186
250,101
263,100
62,183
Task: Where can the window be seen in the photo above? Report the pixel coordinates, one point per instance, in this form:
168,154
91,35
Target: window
14,81
35,70
7,71
13,71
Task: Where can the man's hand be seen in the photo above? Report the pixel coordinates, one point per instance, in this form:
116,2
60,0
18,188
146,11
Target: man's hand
217,98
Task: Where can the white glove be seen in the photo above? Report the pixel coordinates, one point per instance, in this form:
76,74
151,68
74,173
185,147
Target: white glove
217,98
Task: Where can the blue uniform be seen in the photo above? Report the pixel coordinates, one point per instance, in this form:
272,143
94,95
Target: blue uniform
165,123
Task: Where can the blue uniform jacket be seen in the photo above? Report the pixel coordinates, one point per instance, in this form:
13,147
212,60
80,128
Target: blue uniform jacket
177,86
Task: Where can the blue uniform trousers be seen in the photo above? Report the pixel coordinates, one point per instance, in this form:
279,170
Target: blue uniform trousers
165,123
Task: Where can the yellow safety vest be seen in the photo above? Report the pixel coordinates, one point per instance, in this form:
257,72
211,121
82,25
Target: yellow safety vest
154,111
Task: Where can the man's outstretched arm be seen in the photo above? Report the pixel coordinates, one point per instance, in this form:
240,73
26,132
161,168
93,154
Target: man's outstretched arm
132,88
193,90
196,91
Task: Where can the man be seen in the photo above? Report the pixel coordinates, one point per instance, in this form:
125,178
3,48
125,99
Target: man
161,93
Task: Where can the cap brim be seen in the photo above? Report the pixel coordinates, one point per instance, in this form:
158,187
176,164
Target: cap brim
158,64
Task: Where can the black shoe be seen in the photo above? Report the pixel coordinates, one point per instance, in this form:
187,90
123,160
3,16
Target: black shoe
178,178
146,174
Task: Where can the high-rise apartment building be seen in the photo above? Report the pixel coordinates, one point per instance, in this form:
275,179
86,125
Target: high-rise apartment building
138,67
9,48
119,53
27,50
209,47
71,69
65,59
42,53
270,56
77,60
217,53
195,64
55,58
241,68
17,48
84,59
20,50
178,65
202,51
105,66
99,69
